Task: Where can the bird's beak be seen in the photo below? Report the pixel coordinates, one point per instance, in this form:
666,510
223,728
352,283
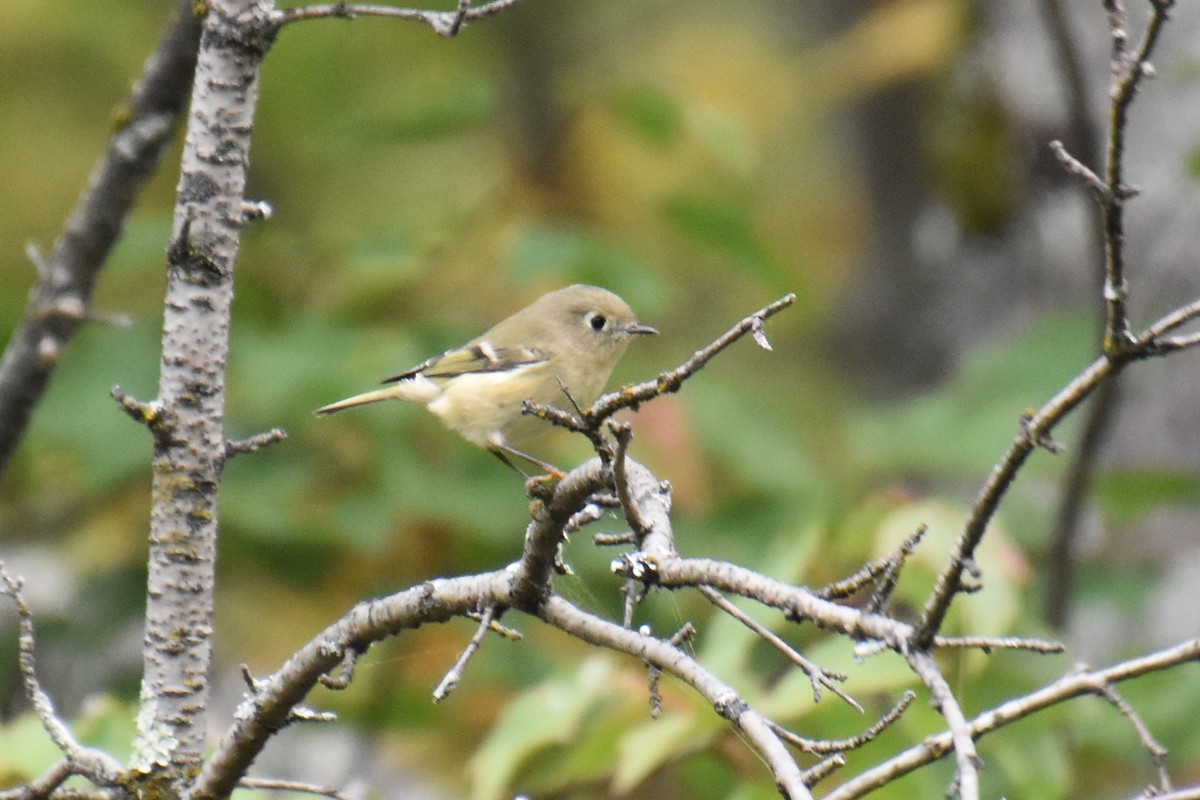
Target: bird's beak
638,329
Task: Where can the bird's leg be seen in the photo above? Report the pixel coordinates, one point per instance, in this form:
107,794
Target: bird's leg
503,451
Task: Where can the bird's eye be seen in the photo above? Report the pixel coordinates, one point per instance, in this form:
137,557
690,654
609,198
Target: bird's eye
597,321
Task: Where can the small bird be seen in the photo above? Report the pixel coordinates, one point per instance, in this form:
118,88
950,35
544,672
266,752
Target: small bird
560,348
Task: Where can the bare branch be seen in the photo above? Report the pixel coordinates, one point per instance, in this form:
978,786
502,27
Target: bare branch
1150,338
829,746
254,443
1033,430
989,643
798,603
1128,71
93,764
670,381
823,769
271,704
1072,685
277,785
444,23
966,759
148,414
545,531
633,395
892,568
1073,165
450,681
1158,753
669,658
42,785
623,432
190,453
817,676
58,304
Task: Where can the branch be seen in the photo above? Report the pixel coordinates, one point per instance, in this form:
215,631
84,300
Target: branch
967,761
816,676
631,396
444,23
277,785
1158,753
97,766
187,464
451,679
546,529
271,702
1034,430
670,381
254,443
665,656
1128,71
58,304
1070,686
1110,196
796,602
854,742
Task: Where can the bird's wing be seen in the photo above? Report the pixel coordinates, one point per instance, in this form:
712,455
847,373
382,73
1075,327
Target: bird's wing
475,357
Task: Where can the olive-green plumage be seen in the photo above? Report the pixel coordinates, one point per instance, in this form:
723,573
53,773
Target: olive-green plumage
559,349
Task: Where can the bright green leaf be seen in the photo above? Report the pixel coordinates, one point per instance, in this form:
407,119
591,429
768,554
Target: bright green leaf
547,715
647,747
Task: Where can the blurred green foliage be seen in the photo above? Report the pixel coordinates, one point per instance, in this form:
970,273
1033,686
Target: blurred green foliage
690,158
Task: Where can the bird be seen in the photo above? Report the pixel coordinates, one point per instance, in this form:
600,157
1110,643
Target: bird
560,348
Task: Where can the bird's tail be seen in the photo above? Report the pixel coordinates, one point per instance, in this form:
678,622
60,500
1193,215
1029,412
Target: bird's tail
412,391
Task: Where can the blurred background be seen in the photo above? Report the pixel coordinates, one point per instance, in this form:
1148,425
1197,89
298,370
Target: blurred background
886,161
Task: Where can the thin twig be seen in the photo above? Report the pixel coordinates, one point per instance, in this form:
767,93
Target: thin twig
614,539
823,769
672,380
254,443
1082,136
444,23
830,746
633,395
452,678
1076,167
1033,429
1074,684
967,761
671,659
42,785
634,592
1128,71
1158,753
1181,316
345,672
681,638
989,643
96,765
817,677
891,573
623,432
278,785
